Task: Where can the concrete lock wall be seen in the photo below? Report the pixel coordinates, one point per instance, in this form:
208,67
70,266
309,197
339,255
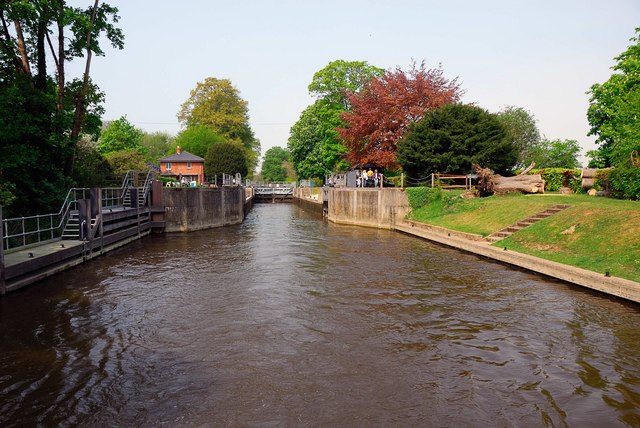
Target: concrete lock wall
380,208
195,208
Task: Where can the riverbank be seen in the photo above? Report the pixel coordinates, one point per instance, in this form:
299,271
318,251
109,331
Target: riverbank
367,210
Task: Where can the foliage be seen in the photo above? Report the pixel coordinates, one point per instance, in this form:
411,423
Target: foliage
216,104
120,135
624,182
555,154
451,138
522,131
597,159
422,196
339,78
615,107
123,161
313,141
44,112
156,145
273,168
92,169
382,112
197,140
555,178
225,158
7,194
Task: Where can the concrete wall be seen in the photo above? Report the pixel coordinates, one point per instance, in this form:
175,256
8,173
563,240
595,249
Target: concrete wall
380,208
195,208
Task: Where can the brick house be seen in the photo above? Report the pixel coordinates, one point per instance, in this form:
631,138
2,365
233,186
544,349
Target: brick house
183,166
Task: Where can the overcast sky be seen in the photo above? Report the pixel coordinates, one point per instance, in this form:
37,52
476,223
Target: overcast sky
540,55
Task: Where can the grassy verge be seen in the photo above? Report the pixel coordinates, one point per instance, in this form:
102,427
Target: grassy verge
606,236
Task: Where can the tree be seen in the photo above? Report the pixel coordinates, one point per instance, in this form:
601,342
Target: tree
225,158
91,169
45,113
273,164
315,147
451,138
522,131
216,104
556,154
382,112
120,135
156,145
197,139
340,78
614,109
125,160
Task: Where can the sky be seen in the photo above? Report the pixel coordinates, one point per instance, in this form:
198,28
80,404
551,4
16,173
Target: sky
541,55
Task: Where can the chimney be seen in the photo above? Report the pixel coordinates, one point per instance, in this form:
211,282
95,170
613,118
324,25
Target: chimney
178,149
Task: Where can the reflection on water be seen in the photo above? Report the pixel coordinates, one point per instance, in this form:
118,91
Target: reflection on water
286,320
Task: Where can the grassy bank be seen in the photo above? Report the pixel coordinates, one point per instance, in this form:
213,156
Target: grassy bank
606,236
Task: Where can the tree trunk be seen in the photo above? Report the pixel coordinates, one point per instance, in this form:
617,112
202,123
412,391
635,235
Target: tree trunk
80,100
519,183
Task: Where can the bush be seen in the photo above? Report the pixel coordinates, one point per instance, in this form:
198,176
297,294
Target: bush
555,178
624,183
422,196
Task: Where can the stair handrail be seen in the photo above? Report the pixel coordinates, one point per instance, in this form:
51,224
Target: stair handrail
151,176
126,183
36,235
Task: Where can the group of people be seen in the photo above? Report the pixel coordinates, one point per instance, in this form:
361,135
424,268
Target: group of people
368,178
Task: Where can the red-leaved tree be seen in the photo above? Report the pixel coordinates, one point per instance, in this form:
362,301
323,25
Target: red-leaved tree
381,113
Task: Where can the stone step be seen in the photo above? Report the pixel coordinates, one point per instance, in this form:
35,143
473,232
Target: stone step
509,230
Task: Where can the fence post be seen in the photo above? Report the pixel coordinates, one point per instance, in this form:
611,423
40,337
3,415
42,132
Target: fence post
3,286
432,180
402,180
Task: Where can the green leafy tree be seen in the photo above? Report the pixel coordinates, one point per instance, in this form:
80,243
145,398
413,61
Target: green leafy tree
43,111
125,160
340,78
382,112
314,144
120,135
273,164
556,154
216,104
197,140
451,138
615,108
522,131
92,168
225,158
156,145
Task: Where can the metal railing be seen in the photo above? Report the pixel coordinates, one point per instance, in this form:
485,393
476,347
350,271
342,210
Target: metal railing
31,230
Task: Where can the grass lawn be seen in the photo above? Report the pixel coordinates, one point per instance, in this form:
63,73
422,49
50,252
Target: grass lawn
606,236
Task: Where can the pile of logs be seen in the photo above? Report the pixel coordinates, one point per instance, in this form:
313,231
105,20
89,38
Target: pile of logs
490,183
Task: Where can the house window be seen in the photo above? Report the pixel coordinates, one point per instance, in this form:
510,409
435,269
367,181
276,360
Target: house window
168,166
189,165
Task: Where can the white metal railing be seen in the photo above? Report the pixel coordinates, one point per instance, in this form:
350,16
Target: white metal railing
270,184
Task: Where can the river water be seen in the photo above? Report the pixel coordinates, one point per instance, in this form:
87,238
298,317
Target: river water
286,320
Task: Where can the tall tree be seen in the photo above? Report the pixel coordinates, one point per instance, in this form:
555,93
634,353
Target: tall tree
156,145
382,112
44,113
315,147
615,108
522,131
340,78
225,158
273,164
197,139
451,138
120,135
217,104
556,154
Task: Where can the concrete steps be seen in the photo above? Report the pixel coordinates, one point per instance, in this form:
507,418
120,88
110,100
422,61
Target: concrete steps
510,230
